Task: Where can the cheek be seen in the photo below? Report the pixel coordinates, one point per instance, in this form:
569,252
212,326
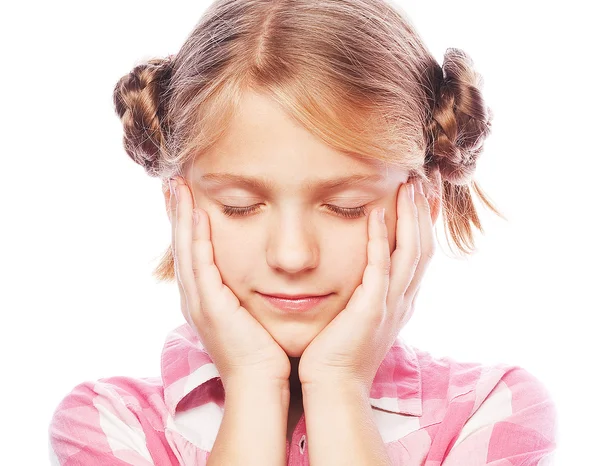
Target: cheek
233,254
345,259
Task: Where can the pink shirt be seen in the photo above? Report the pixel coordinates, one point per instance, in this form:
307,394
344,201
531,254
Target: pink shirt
429,412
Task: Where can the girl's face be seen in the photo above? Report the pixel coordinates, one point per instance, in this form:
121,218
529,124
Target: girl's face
291,233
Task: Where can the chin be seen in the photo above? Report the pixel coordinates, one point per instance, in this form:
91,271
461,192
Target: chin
293,336
295,351
293,345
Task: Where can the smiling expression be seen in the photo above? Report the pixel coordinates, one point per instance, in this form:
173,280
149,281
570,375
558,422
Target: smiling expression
288,214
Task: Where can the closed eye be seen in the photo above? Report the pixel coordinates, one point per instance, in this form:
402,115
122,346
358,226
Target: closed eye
354,212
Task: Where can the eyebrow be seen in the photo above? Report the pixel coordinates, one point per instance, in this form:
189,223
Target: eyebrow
261,184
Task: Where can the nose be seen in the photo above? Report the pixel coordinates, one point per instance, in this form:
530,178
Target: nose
292,245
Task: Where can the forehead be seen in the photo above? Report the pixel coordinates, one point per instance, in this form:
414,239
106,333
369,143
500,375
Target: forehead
260,183
263,143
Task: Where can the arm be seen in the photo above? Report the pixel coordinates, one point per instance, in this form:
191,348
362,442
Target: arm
253,429
340,426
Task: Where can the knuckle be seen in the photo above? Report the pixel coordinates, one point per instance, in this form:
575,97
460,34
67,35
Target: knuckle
386,266
383,264
195,272
416,256
424,202
416,262
427,207
176,264
374,319
429,252
414,206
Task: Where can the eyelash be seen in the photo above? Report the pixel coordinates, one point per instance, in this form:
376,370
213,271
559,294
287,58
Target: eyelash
353,213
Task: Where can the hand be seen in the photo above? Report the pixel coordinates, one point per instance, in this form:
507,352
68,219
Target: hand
353,345
237,343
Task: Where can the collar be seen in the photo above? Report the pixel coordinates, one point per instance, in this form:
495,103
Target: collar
186,366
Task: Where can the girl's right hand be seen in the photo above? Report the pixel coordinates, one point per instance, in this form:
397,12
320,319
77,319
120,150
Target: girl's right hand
238,344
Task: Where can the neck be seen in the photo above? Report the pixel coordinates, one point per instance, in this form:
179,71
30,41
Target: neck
295,385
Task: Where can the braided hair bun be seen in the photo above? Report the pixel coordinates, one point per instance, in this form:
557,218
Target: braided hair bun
460,120
138,102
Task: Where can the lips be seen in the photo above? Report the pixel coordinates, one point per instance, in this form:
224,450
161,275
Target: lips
291,296
294,303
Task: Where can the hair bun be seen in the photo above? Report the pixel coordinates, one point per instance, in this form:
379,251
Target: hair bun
460,120
138,100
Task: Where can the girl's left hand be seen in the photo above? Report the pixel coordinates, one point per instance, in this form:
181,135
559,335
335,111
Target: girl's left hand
353,345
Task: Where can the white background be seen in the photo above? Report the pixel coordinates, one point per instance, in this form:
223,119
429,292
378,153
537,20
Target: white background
83,226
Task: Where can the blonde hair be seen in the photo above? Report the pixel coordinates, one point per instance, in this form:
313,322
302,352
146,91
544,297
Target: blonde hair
354,73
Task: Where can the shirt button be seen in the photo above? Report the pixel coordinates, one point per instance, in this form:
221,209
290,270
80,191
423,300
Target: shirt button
302,443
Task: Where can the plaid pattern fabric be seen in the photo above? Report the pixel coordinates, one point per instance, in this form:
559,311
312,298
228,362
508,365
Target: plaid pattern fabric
429,412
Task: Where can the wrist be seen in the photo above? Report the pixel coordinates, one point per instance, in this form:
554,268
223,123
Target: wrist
336,387
244,396
256,384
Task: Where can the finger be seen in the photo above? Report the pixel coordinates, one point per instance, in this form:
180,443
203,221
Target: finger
426,240
213,293
406,315
173,217
375,280
406,256
182,248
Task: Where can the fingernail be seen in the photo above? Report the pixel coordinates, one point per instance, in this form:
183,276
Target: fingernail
381,215
419,187
410,191
173,188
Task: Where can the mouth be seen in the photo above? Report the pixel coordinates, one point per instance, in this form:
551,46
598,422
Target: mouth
294,303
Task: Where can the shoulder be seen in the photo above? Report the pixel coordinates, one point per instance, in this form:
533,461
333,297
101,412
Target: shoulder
111,420
453,379
487,412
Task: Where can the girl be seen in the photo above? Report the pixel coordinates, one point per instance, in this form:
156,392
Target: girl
306,151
